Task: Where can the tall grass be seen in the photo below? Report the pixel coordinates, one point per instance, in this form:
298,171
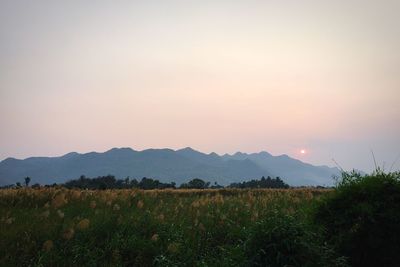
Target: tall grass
60,227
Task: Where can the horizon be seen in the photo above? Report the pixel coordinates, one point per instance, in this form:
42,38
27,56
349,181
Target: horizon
316,81
168,165
141,150
175,150
298,156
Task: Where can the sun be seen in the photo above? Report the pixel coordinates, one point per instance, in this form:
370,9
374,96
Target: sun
303,151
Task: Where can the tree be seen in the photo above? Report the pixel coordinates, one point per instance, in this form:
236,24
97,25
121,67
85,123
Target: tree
196,184
110,182
263,183
27,181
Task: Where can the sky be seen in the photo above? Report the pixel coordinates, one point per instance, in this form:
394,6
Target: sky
218,76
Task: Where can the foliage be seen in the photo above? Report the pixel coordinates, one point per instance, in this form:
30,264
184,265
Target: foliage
110,182
263,183
195,184
27,181
361,218
283,240
124,227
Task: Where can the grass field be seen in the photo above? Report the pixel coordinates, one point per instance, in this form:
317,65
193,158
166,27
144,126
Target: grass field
57,226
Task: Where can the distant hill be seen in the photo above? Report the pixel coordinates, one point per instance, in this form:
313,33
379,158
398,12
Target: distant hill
294,172
167,165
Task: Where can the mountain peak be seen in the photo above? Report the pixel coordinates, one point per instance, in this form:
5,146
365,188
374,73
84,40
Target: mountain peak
70,155
120,149
187,149
265,153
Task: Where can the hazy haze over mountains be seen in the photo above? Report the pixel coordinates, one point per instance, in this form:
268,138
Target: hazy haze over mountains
167,165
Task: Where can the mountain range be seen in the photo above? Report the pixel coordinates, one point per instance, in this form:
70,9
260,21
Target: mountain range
166,165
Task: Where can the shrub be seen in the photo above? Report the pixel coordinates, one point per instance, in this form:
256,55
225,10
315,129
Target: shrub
282,240
361,218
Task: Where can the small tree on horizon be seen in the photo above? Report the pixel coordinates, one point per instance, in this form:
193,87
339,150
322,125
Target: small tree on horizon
27,181
196,183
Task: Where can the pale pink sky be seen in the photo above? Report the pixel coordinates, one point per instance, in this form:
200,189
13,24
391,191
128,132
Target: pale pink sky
221,76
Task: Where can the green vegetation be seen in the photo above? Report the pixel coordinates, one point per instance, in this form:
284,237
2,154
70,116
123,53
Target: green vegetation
263,183
355,224
171,227
361,218
110,182
283,240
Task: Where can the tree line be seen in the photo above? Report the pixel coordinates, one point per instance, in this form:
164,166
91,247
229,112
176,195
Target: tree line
111,182
263,183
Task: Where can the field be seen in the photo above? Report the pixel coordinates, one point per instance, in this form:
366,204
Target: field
57,226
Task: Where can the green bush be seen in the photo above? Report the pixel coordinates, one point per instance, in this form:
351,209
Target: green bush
282,240
361,218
